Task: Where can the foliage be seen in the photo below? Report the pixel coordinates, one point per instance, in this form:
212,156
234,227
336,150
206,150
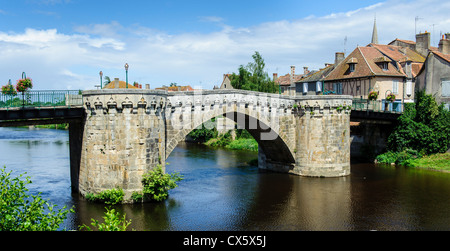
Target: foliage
243,144
399,158
203,134
440,161
110,197
156,185
24,84
423,126
220,141
253,77
390,97
9,90
112,222
373,95
20,211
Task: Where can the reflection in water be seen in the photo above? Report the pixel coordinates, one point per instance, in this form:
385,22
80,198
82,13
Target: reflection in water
221,192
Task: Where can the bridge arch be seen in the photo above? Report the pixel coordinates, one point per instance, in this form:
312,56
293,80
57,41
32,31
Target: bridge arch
273,143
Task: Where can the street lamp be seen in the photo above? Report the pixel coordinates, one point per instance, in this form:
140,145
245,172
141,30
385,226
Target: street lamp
101,80
126,70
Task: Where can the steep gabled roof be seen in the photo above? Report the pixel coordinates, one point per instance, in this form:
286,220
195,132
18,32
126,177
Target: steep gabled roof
286,79
367,60
399,54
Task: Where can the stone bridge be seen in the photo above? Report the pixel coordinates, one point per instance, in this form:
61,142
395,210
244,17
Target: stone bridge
125,133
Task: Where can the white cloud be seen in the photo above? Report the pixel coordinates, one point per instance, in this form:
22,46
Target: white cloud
56,60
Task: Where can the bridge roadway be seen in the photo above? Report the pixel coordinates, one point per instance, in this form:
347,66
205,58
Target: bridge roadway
117,135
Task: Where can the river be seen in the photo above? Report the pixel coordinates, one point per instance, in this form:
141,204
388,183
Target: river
220,191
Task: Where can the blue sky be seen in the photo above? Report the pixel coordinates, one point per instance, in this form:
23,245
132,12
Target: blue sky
63,44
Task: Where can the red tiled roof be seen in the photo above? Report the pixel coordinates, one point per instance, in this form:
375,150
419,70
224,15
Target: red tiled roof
398,53
122,85
445,57
366,66
404,41
286,79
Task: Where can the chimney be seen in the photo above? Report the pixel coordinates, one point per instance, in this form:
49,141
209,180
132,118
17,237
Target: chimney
147,86
340,56
116,83
275,76
292,73
444,44
305,70
423,43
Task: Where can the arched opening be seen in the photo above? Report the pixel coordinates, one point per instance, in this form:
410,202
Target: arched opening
272,145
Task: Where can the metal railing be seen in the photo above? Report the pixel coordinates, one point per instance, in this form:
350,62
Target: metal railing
377,106
41,99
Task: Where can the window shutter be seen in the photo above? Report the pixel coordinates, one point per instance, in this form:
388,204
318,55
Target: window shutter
409,88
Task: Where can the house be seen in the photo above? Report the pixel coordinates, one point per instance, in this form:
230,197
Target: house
226,83
434,76
364,70
287,82
313,83
384,69
410,62
422,44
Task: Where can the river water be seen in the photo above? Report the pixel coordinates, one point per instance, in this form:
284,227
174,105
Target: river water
220,191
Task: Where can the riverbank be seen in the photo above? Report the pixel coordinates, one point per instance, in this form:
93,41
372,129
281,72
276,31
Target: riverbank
237,139
51,126
436,162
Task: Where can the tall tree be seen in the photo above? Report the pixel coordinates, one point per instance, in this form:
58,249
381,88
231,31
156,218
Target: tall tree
253,77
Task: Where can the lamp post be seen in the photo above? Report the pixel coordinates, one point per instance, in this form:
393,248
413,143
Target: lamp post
101,80
126,70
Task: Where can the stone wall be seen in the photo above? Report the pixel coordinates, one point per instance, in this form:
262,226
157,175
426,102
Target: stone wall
323,136
123,139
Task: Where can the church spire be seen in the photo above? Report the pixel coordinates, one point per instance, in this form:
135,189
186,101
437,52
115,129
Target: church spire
375,32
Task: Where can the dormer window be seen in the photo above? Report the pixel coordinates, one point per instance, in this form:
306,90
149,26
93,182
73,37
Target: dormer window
383,62
352,64
351,67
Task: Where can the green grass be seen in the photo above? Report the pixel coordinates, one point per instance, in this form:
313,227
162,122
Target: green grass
243,144
439,161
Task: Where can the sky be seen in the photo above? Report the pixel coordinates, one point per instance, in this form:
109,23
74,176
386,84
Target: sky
64,44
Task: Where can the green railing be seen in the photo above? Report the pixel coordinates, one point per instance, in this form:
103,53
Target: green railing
377,106
41,99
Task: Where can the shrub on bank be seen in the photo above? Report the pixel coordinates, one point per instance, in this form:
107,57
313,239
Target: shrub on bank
110,197
156,185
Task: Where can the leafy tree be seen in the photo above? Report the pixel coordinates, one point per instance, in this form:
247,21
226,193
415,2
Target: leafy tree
253,77
20,211
424,127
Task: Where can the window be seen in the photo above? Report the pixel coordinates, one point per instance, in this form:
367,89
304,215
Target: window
337,87
351,67
385,66
446,88
318,86
305,87
409,88
395,86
